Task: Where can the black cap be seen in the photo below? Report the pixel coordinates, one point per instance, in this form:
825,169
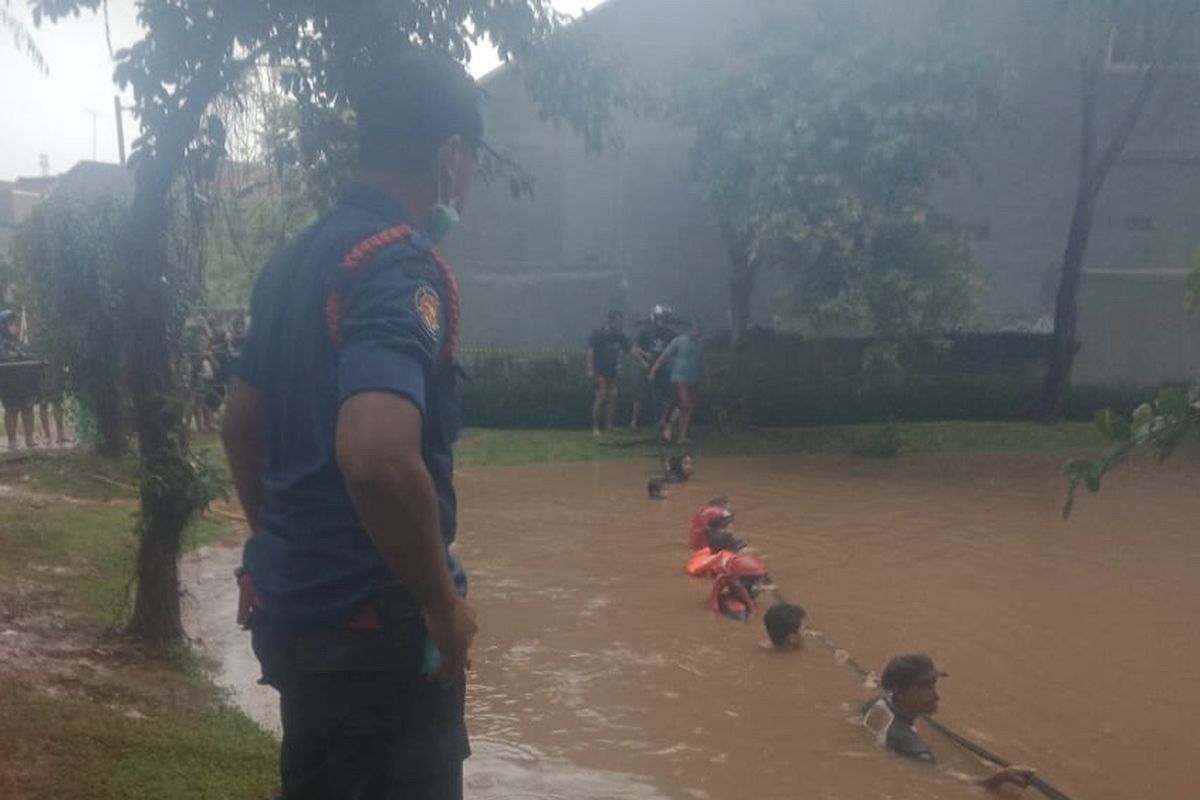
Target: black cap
909,670
415,100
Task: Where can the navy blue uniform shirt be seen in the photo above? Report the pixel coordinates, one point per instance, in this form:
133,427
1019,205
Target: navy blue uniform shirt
313,564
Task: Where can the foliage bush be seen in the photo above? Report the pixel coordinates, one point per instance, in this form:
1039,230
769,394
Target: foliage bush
976,377
70,272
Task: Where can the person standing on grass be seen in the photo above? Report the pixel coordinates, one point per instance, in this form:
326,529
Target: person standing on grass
339,430
603,362
653,396
17,392
685,354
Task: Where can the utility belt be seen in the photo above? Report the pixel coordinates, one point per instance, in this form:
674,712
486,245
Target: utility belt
250,605
384,634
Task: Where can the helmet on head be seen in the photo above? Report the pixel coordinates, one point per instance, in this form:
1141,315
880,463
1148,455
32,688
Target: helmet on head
717,516
660,313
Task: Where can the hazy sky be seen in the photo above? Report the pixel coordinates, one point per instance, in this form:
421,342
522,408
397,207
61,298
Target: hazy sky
49,113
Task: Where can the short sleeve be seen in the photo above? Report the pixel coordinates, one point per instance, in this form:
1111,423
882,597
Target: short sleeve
392,325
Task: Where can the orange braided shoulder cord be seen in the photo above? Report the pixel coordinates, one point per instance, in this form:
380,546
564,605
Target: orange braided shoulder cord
369,247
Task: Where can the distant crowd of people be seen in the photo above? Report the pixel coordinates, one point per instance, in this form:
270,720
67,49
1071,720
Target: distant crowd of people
213,353
33,391
29,390
669,367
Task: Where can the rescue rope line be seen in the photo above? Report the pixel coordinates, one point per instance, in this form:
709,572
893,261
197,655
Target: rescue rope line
979,750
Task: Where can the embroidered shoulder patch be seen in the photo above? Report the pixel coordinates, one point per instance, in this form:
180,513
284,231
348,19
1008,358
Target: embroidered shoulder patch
429,310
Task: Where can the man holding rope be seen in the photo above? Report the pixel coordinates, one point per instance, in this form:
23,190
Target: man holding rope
909,683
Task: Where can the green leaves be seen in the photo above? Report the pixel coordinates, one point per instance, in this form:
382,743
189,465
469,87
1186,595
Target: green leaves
819,143
1192,298
1112,425
70,272
1171,421
1172,403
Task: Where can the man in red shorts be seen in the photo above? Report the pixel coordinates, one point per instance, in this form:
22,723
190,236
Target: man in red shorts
603,359
686,357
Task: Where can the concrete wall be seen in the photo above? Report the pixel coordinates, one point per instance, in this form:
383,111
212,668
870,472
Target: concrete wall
1134,329
628,230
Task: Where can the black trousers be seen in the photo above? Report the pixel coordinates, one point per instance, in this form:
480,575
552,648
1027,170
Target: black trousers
360,722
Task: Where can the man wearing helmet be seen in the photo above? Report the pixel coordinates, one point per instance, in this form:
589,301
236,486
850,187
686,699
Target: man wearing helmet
653,395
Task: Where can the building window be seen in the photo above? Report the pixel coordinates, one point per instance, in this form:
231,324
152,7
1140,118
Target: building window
1134,44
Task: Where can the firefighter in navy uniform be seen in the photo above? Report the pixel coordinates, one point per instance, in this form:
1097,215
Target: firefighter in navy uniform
339,429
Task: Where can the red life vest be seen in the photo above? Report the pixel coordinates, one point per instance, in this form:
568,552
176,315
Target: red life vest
704,563
731,592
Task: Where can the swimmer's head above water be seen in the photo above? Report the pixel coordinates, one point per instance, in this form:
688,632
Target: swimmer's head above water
911,682
680,468
785,625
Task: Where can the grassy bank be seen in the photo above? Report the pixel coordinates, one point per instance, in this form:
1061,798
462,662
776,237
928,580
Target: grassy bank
513,447
86,476
84,713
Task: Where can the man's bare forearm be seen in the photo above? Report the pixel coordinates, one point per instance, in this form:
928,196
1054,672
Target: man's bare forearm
241,434
398,506
245,462
379,452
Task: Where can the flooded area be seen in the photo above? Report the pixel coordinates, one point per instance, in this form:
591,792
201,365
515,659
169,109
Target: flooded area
600,673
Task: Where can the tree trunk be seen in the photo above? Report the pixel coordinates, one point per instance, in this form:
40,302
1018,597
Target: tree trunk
1066,313
156,610
1093,172
110,422
741,292
166,487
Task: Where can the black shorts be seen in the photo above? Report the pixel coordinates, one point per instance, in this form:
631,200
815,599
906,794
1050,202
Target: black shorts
360,721
654,393
19,384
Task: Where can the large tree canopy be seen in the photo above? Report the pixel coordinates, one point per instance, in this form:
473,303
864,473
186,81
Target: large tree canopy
197,52
819,144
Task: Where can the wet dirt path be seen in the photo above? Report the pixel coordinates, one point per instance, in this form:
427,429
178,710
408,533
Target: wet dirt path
600,674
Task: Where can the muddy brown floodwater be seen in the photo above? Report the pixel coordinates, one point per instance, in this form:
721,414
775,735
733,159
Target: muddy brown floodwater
599,672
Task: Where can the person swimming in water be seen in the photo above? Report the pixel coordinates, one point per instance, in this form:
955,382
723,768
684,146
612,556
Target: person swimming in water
738,580
715,511
909,684
679,469
717,546
785,626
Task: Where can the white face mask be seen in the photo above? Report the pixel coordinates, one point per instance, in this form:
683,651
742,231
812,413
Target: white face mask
443,217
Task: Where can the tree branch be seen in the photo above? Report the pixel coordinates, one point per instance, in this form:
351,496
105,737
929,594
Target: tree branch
1151,78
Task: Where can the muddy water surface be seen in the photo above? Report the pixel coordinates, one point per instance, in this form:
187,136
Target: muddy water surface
599,672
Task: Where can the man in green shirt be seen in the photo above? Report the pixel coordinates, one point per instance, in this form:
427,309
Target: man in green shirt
685,354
